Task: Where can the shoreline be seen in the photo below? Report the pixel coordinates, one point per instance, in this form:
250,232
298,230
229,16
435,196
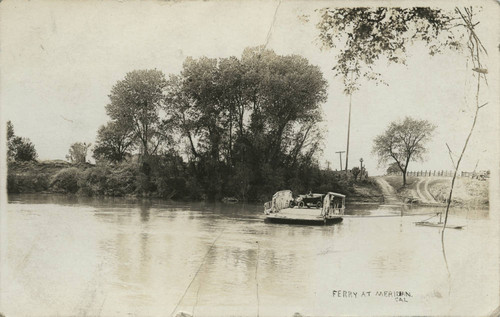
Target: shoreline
126,180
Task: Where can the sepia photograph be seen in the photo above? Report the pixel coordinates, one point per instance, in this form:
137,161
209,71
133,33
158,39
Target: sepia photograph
280,158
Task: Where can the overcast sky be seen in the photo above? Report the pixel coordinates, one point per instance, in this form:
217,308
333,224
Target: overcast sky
59,61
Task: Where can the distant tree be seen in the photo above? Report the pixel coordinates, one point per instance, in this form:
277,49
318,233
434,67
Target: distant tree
10,130
78,152
364,173
403,142
25,150
136,104
355,172
19,148
11,150
393,169
114,142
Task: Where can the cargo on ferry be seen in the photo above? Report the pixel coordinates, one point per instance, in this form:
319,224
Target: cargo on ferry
316,209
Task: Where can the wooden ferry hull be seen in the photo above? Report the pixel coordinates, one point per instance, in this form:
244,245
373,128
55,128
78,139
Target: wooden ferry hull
303,221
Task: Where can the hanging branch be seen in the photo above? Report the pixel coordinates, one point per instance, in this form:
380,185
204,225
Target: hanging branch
476,49
451,155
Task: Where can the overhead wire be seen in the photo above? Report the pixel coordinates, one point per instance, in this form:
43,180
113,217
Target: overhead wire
196,274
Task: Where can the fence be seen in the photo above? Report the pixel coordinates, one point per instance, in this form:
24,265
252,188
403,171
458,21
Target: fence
443,173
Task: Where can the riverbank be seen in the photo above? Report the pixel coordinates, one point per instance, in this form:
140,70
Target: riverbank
435,190
128,180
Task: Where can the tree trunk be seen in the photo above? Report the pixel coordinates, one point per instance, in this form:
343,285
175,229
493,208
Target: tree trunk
406,169
193,149
230,160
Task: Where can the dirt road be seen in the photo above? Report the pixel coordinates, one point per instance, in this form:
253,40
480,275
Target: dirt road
422,189
390,196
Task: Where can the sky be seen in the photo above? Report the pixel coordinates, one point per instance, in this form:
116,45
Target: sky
59,61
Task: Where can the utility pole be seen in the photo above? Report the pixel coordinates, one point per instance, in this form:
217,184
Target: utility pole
328,165
340,155
348,132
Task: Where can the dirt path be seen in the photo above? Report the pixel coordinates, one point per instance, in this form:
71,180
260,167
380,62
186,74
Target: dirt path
388,191
422,189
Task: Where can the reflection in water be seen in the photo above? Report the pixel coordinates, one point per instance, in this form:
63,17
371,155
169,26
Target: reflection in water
145,207
148,257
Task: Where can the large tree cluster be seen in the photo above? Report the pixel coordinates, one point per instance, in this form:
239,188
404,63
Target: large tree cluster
241,125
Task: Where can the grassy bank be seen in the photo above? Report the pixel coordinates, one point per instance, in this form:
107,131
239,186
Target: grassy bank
467,191
401,191
366,191
128,179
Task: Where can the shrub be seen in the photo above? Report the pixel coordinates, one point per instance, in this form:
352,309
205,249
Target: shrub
93,181
121,179
27,183
12,184
66,180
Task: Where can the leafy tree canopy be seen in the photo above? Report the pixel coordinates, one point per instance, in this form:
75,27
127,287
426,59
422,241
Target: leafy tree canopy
267,99
135,103
19,149
393,169
402,142
114,142
78,152
363,35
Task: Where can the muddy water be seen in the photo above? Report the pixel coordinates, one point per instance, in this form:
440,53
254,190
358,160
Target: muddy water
116,257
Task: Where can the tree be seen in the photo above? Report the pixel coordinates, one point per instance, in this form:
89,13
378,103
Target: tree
393,169
136,104
19,149
10,130
11,148
403,142
355,172
78,153
114,142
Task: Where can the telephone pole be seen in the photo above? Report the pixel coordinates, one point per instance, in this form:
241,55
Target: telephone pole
340,155
348,132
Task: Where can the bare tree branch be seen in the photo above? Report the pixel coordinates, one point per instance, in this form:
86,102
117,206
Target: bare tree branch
451,157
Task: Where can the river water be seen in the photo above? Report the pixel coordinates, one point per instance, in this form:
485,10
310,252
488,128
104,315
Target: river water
116,257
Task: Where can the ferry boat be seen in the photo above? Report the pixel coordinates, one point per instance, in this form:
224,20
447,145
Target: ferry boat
284,209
